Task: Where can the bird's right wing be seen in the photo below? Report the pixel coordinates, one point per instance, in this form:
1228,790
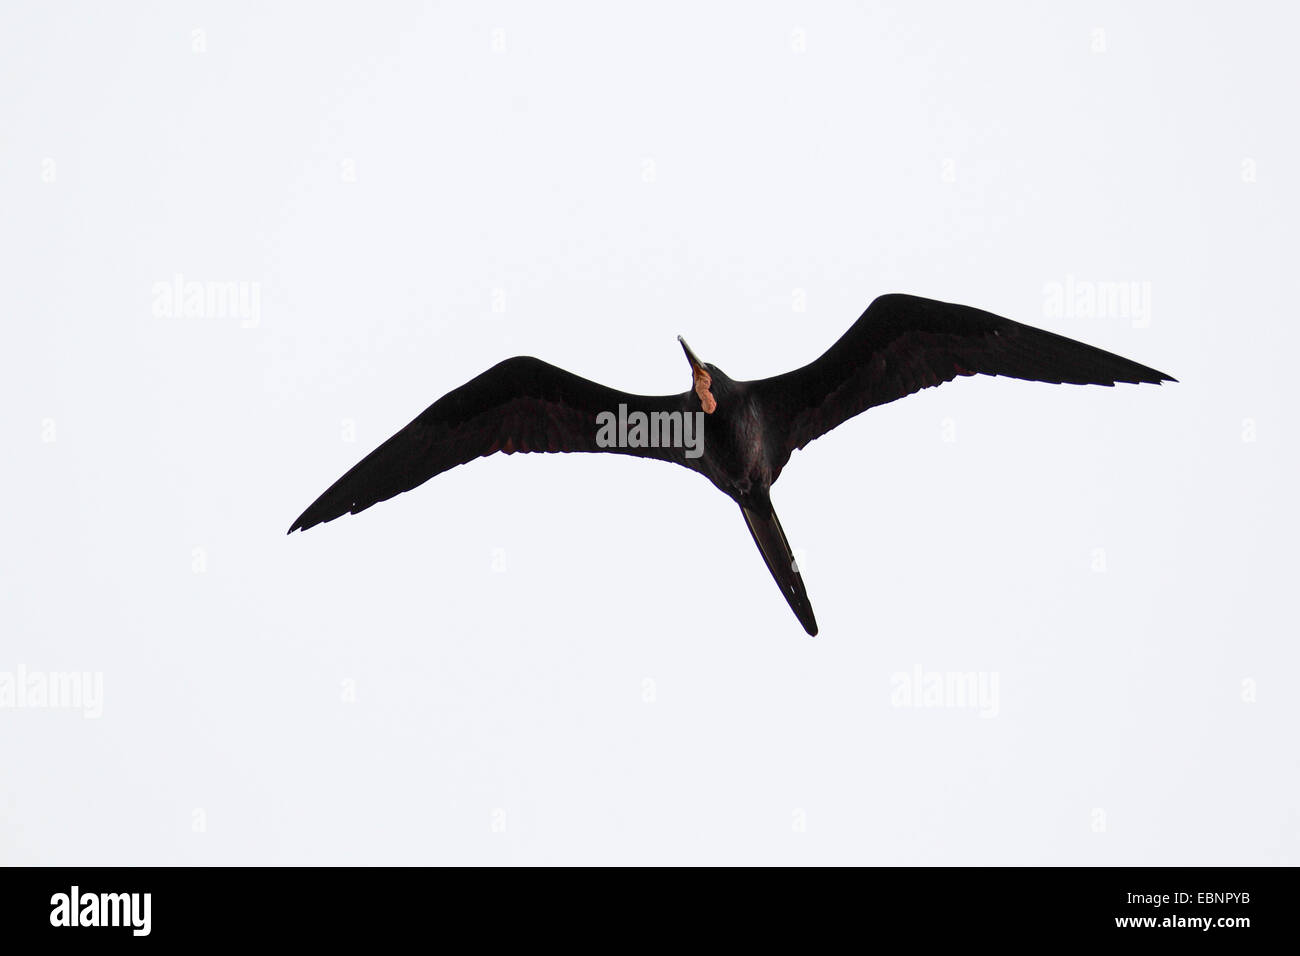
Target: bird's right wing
520,405
904,343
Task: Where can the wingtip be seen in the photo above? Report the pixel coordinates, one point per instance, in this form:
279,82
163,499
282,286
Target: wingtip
1146,376
300,524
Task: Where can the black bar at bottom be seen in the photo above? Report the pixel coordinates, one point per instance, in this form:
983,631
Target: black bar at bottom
618,908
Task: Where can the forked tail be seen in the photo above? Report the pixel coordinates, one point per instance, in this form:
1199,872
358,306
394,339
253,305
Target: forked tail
771,542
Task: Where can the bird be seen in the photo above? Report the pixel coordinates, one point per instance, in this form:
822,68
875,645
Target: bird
737,434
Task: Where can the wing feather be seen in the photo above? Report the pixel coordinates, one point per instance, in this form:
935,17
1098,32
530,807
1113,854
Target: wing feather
903,343
520,405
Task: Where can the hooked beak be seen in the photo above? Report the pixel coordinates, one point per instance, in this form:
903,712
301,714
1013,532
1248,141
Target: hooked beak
696,364
703,380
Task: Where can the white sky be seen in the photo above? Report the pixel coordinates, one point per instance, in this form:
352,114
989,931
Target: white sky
414,196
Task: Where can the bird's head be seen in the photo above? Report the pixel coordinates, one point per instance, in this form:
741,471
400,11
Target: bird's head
709,380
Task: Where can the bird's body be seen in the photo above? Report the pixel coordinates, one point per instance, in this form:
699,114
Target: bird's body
736,457
900,345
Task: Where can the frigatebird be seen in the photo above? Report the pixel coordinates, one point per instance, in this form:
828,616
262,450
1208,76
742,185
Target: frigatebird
900,345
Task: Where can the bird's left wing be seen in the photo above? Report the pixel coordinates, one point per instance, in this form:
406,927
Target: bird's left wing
520,405
904,343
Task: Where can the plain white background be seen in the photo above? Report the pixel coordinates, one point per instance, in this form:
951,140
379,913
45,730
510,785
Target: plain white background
581,659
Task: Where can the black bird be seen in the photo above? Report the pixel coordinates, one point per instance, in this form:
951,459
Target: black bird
900,345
